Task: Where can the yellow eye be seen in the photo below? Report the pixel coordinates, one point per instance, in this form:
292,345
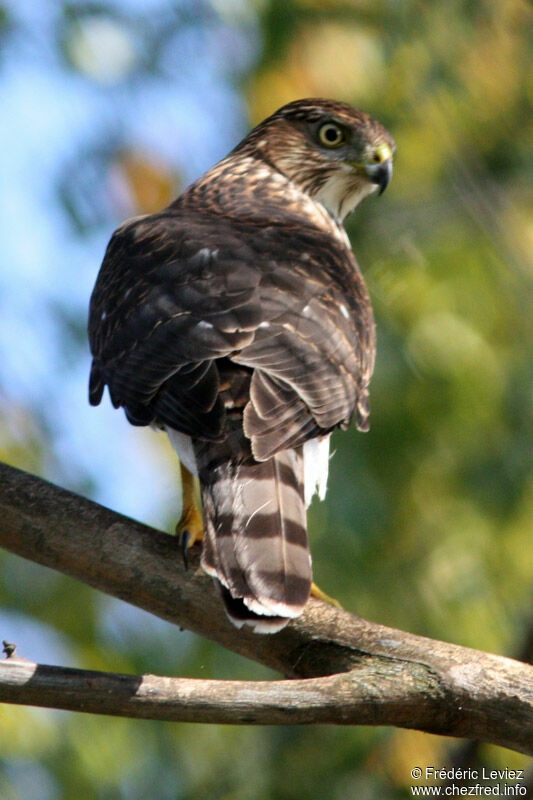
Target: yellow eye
330,135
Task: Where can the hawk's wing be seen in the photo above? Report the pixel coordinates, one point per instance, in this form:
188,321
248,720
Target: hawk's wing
177,292
158,317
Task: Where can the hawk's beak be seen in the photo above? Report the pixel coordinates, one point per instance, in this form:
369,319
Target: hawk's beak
380,174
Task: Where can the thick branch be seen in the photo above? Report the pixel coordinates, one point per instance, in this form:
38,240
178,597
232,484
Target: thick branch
394,678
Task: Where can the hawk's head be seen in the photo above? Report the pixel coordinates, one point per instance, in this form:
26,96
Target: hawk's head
333,152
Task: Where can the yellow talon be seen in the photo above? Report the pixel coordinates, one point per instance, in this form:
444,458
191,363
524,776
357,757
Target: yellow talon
190,528
191,523
320,595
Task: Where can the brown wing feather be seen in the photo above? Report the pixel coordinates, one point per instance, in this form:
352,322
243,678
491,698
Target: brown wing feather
168,305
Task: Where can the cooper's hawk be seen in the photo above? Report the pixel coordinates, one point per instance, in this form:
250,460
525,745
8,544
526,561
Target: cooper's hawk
237,320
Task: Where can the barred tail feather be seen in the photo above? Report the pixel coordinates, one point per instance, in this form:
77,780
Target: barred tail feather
255,542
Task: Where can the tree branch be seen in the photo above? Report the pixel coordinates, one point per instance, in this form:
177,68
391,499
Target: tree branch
361,672
334,699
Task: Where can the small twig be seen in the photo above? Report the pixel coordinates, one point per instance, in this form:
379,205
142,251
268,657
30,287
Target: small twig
8,648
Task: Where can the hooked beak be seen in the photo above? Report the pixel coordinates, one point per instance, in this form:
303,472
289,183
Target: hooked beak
380,174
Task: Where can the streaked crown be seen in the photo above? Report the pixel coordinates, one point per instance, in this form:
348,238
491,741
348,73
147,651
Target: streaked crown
333,152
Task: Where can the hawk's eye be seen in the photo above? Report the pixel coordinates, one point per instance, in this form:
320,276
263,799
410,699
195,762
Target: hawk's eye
330,135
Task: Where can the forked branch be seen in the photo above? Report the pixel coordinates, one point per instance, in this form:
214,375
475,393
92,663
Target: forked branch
346,670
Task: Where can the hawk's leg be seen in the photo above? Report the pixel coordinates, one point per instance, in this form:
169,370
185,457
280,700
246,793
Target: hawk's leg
190,528
320,595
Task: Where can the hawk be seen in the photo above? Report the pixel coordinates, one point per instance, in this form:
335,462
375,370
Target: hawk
237,320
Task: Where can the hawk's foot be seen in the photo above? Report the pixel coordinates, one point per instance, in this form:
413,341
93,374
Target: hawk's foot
190,528
320,595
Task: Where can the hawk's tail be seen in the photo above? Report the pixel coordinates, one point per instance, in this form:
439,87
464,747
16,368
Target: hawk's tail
255,539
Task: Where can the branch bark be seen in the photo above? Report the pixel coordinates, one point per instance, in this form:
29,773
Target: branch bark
347,670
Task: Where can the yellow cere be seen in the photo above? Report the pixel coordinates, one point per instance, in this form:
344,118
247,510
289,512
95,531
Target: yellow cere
381,153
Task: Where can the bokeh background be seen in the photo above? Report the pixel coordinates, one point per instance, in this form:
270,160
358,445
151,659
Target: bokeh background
108,109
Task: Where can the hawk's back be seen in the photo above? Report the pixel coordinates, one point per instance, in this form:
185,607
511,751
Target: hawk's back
238,320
